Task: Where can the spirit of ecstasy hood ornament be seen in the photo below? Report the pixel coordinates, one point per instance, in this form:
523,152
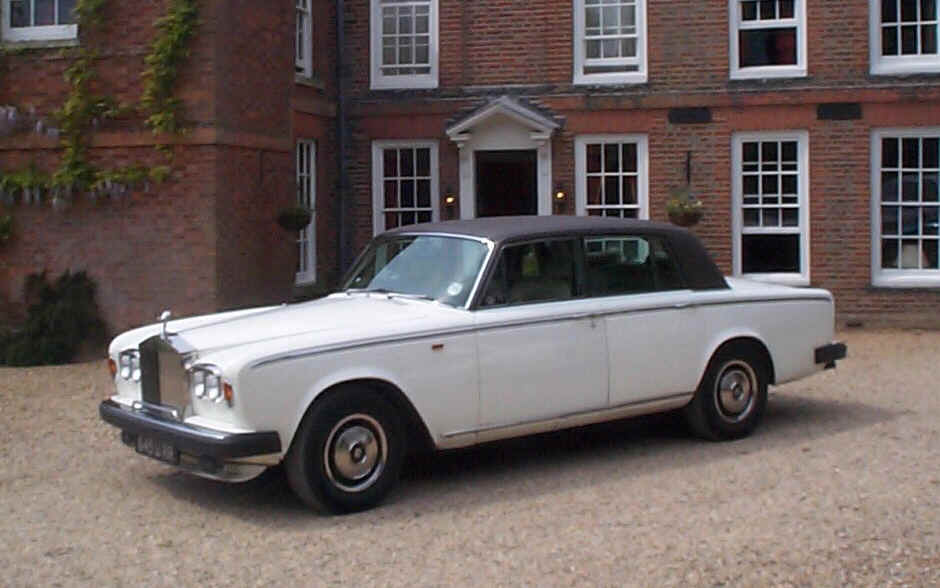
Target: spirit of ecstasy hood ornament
164,318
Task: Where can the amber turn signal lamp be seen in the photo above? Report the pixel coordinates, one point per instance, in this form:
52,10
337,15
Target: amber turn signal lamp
112,367
228,392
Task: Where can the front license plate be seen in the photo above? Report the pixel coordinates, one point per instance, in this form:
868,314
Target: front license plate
157,449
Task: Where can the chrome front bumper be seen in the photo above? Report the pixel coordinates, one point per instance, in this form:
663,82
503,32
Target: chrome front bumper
188,439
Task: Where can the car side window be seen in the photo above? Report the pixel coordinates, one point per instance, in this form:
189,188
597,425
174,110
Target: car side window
541,271
628,264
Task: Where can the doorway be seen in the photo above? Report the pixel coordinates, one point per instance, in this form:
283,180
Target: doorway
506,182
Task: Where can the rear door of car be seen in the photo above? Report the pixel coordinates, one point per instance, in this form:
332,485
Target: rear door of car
652,337
542,349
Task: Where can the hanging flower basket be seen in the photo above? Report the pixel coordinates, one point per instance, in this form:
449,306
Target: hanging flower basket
295,218
684,209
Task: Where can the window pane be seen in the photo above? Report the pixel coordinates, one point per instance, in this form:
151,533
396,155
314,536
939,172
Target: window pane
789,185
909,40
930,257
770,253
911,153
889,187
751,185
910,220
751,217
750,152
629,190
611,190
928,187
391,194
910,257
407,163
889,220
594,190
769,151
767,47
407,218
44,12
791,217
928,39
908,10
767,9
424,162
786,9
889,41
611,158
889,11
930,155
928,10
19,13
391,220
749,10
929,224
65,11
910,187
770,217
889,153
769,185
593,49
592,18
390,163
407,194
593,158
629,157
424,217
889,254
424,193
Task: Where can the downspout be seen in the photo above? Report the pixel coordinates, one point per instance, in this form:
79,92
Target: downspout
342,236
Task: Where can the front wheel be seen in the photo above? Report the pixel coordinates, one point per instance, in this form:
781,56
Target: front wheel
731,397
347,453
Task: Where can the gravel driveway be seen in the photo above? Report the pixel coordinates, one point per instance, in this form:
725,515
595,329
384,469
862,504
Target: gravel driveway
840,486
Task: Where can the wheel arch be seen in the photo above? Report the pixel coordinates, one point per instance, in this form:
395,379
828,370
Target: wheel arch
418,437
751,340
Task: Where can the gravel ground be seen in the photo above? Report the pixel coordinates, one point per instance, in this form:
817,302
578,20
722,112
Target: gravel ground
840,486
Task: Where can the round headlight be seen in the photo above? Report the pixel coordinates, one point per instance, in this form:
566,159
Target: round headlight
199,384
125,362
213,387
135,368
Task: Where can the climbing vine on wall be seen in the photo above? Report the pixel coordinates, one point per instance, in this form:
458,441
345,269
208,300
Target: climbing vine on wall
83,111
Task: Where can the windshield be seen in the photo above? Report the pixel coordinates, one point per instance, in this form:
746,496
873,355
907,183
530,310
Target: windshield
439,268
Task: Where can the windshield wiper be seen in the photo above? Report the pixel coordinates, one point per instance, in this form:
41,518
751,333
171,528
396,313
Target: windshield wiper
389,293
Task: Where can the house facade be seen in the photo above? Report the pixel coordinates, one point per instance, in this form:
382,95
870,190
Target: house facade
809,129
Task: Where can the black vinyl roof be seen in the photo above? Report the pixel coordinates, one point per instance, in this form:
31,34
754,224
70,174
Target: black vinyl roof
697,266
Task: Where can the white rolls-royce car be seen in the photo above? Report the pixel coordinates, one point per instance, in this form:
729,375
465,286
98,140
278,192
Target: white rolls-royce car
450,334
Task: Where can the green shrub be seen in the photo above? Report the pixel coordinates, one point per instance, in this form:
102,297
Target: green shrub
62,316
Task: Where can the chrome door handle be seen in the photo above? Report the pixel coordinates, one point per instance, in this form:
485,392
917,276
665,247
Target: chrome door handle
681,305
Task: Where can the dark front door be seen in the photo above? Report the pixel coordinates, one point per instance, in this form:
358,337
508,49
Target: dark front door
506,183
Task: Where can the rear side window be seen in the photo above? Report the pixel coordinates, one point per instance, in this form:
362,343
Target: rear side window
542,271
628,264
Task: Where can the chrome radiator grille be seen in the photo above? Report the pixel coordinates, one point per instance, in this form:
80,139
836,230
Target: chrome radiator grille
162,375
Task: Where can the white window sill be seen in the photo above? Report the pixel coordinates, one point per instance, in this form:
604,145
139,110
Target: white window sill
769,72
907,279
46,34
905,66
307,80
609,79
7,43
403,83
781,279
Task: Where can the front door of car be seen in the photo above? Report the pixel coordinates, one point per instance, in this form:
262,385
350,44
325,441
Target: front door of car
653,337
542,352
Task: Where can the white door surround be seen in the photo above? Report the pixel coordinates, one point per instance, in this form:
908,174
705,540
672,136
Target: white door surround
503,124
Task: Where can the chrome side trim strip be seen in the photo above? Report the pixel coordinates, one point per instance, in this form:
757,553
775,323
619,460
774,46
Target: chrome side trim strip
581,315
494,432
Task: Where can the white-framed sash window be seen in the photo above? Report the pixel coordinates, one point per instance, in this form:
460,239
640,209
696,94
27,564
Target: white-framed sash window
303,44
771,206
905,207
404,44
405,184
612,174
768,38
609,41
904,36
38,20
307,197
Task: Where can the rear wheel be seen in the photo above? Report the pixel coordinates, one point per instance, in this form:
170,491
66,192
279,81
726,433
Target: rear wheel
731,397
347,453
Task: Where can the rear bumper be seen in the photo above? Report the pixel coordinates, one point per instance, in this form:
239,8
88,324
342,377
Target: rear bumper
188,439
829,354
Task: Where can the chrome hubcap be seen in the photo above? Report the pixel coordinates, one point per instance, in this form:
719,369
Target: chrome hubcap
355,453
735,391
